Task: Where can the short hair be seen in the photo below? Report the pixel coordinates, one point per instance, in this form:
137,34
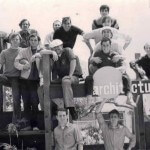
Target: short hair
104,19
56,21
114,111
146,44
35,35
13,35
65,19
102,7
62,109
22,21
105,39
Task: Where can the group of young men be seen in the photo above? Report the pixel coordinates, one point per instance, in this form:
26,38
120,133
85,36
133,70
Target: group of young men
24,73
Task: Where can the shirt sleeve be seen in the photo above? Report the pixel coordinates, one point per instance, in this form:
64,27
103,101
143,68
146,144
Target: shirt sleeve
78,30
78,135
101,121
131,137
2,58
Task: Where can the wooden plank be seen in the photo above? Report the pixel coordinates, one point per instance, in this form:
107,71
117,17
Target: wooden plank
47,102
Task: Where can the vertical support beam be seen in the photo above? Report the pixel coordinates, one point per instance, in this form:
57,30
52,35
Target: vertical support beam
1,71
140,125
47,101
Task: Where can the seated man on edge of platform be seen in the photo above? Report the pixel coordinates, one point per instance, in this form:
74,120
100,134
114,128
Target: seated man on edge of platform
67,70
105,57
113,133
142,65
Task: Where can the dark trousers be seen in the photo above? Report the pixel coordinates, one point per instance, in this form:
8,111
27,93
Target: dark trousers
30,100
13,82
125,79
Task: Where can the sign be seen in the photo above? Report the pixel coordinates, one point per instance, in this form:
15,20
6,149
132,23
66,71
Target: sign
107,82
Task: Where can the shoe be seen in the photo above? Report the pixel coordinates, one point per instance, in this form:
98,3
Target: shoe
36,129
28,128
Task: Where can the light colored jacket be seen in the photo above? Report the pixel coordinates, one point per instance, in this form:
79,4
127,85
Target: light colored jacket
24,55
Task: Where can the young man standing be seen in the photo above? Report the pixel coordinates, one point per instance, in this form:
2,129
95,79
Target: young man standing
114,133
67,33
26,62
11,75
66,135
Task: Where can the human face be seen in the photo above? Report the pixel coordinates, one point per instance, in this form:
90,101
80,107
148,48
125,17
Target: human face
114,119
107,33
15,42
107,22
34,42
56,25
104,12
147,49
62,117
106,46
58,50
67,25
25,25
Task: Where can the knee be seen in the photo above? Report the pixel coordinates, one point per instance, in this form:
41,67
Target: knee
66,81
92,69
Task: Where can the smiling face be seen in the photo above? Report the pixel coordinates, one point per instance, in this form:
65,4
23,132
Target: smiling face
62,117
114,119
56,25
107,33
106,47
25,25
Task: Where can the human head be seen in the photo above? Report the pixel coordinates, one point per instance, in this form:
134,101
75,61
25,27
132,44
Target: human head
147,48
104,10
15,39
114,117
107,33
106,45
24,24
106,21
66,23
57,46
62,116
56,25
34,41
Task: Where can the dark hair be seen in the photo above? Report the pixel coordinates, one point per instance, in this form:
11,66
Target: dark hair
105,39
104,19
114,111
102,7
23,20
13,35
62,109
65,19
35,35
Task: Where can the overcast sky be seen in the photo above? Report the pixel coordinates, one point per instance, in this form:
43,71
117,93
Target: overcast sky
133,17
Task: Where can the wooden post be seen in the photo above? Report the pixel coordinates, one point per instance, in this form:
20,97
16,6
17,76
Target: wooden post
47,101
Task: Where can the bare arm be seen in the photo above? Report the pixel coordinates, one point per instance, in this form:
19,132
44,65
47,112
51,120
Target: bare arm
132,139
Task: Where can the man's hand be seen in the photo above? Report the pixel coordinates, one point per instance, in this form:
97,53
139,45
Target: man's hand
55,56
38,55
26,66
97,60
67,77
141,71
